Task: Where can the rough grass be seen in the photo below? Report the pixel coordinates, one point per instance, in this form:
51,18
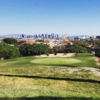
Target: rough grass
35,88
22,80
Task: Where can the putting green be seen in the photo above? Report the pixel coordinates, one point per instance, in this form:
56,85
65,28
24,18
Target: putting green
56,61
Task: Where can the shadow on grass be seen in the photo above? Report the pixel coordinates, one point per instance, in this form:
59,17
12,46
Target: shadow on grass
53,78
62,65
49,98
83,56
65,65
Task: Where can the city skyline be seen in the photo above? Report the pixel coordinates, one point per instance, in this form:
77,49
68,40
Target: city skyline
74,17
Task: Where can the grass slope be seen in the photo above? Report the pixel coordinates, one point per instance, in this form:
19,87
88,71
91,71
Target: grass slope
21,79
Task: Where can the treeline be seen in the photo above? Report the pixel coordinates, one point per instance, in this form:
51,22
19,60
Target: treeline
77,49
80,47
71,48
8,51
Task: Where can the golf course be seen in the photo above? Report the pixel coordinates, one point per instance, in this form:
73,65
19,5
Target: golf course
31,78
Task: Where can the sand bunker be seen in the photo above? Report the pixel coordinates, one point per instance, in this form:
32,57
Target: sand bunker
57,55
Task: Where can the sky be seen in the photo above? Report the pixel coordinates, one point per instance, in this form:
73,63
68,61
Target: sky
71,17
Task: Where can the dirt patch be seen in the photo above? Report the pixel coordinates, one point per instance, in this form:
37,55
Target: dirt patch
94,71
97,59
79,70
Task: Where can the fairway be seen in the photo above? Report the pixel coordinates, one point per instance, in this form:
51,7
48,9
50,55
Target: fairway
57,61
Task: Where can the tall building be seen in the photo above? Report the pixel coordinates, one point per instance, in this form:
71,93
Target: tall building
46,35
42,36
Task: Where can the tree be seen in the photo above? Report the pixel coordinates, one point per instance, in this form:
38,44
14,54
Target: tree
97,52
7,51
35,49
76,48
81,42
59,49
10,41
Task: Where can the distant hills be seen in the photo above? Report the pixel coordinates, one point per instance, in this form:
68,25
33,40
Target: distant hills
9,35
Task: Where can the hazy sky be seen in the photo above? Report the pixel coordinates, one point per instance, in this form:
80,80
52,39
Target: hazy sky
74,17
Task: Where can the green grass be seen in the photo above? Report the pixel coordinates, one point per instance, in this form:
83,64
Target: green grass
81,60
28,78
56,61
87,60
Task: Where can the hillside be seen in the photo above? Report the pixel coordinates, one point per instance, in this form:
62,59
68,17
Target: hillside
30,78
